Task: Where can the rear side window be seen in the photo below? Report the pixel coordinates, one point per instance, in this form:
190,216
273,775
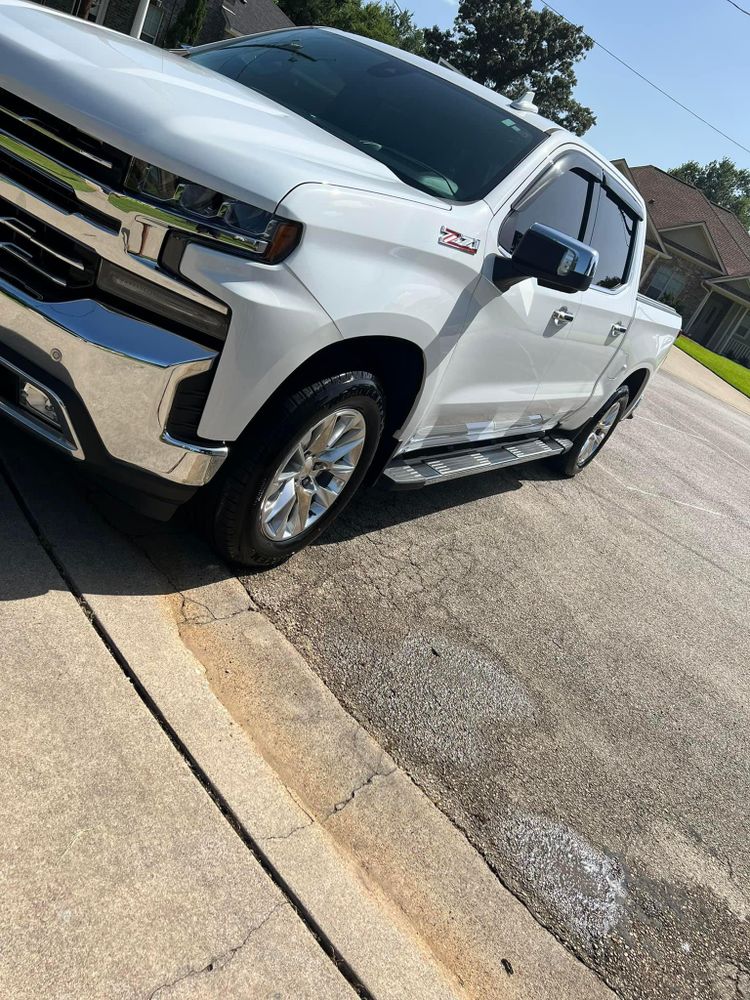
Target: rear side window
613,237
562,203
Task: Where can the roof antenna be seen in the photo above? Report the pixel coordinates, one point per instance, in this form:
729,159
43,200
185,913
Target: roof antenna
525,102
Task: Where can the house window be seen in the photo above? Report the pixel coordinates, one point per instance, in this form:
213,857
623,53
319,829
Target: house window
664,282
152,24
98,10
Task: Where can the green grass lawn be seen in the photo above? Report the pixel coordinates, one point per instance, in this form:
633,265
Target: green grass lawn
736,375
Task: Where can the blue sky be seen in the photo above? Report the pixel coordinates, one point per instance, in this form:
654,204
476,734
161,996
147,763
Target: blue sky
696,51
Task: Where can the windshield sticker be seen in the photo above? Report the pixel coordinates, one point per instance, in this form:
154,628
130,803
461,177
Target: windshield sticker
450,238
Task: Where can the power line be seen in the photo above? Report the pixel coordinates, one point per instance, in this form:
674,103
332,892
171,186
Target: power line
655,85
742,9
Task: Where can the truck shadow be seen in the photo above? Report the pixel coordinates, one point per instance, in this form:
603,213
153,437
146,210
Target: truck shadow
380,508
102,546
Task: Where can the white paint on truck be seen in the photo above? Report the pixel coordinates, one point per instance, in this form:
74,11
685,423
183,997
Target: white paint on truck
265,188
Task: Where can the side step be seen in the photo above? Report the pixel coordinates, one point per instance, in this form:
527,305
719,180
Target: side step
412,471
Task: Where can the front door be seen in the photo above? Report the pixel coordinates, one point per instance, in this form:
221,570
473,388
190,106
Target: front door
512,339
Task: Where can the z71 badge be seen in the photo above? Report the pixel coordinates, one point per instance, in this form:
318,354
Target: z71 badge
450,238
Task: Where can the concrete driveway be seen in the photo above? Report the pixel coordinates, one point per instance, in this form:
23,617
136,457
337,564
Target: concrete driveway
562,666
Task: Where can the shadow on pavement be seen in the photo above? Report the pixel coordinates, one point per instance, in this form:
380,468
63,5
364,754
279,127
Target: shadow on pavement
70,508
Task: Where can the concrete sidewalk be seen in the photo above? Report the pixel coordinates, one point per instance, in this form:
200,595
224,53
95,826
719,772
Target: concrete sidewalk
687,369
119,876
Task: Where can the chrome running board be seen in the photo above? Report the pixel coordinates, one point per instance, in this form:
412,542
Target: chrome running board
413,471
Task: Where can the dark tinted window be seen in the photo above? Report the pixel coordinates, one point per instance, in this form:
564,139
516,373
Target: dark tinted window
613,234
433,134
562,202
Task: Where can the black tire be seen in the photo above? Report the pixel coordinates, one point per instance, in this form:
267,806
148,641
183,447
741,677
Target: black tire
569,464
234,519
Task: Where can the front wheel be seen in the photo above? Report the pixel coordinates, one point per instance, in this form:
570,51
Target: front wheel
297,472
591,438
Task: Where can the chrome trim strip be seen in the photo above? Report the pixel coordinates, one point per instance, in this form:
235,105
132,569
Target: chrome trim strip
19,227
59,171
136,248
38,127
215,451
25,257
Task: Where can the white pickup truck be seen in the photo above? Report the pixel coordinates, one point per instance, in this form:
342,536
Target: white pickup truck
277,267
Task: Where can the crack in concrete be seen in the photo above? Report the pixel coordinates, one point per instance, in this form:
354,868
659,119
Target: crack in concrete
185,599
219,961
212,617
343,803
291,833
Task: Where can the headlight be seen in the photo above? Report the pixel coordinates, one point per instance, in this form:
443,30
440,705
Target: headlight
194,208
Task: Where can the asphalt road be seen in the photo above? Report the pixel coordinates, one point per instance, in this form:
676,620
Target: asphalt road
563,666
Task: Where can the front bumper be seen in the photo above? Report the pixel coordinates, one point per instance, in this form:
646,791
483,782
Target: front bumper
113,375
113,379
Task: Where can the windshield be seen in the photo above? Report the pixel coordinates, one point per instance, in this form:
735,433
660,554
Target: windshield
433,134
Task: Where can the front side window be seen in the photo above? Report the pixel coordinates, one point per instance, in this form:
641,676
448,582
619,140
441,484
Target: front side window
613,235
561,202
433,134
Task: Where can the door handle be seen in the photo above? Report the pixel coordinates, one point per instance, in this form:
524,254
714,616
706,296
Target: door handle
617,329
561,316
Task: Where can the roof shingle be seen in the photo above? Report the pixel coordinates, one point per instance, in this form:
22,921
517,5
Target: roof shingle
672,202
248,16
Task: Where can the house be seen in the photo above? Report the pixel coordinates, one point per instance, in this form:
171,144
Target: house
697,259
151,20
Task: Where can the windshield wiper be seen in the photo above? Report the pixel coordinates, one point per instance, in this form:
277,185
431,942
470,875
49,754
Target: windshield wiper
283,48
406,158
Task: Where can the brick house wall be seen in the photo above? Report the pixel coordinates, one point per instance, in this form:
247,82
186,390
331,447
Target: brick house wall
120,15
223,17
215,25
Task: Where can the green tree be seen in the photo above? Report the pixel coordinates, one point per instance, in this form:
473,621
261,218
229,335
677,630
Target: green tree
382,21
510,47
187,25
723,182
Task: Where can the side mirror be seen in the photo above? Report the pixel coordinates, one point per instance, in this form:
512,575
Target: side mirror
554,259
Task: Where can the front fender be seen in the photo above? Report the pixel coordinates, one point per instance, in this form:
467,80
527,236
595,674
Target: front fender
276,325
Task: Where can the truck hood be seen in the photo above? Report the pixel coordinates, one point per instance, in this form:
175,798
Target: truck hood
164,109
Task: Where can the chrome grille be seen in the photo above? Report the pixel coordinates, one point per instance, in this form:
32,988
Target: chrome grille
48,136
44,261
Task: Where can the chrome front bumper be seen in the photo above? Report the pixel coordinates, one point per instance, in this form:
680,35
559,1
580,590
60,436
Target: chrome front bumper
123,371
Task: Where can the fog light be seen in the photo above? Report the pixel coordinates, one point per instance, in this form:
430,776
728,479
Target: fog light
36,401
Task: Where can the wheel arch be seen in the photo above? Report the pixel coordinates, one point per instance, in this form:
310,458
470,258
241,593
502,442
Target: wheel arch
636,382
398,364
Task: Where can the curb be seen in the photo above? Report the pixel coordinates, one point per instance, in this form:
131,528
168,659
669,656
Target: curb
398,890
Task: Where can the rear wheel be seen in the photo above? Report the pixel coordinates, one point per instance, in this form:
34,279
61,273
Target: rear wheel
295,474
592,437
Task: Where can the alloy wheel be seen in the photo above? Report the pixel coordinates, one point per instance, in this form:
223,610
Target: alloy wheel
599,433
313,475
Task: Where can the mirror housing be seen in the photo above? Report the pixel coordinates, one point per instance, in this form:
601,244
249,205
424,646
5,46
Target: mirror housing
557,261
